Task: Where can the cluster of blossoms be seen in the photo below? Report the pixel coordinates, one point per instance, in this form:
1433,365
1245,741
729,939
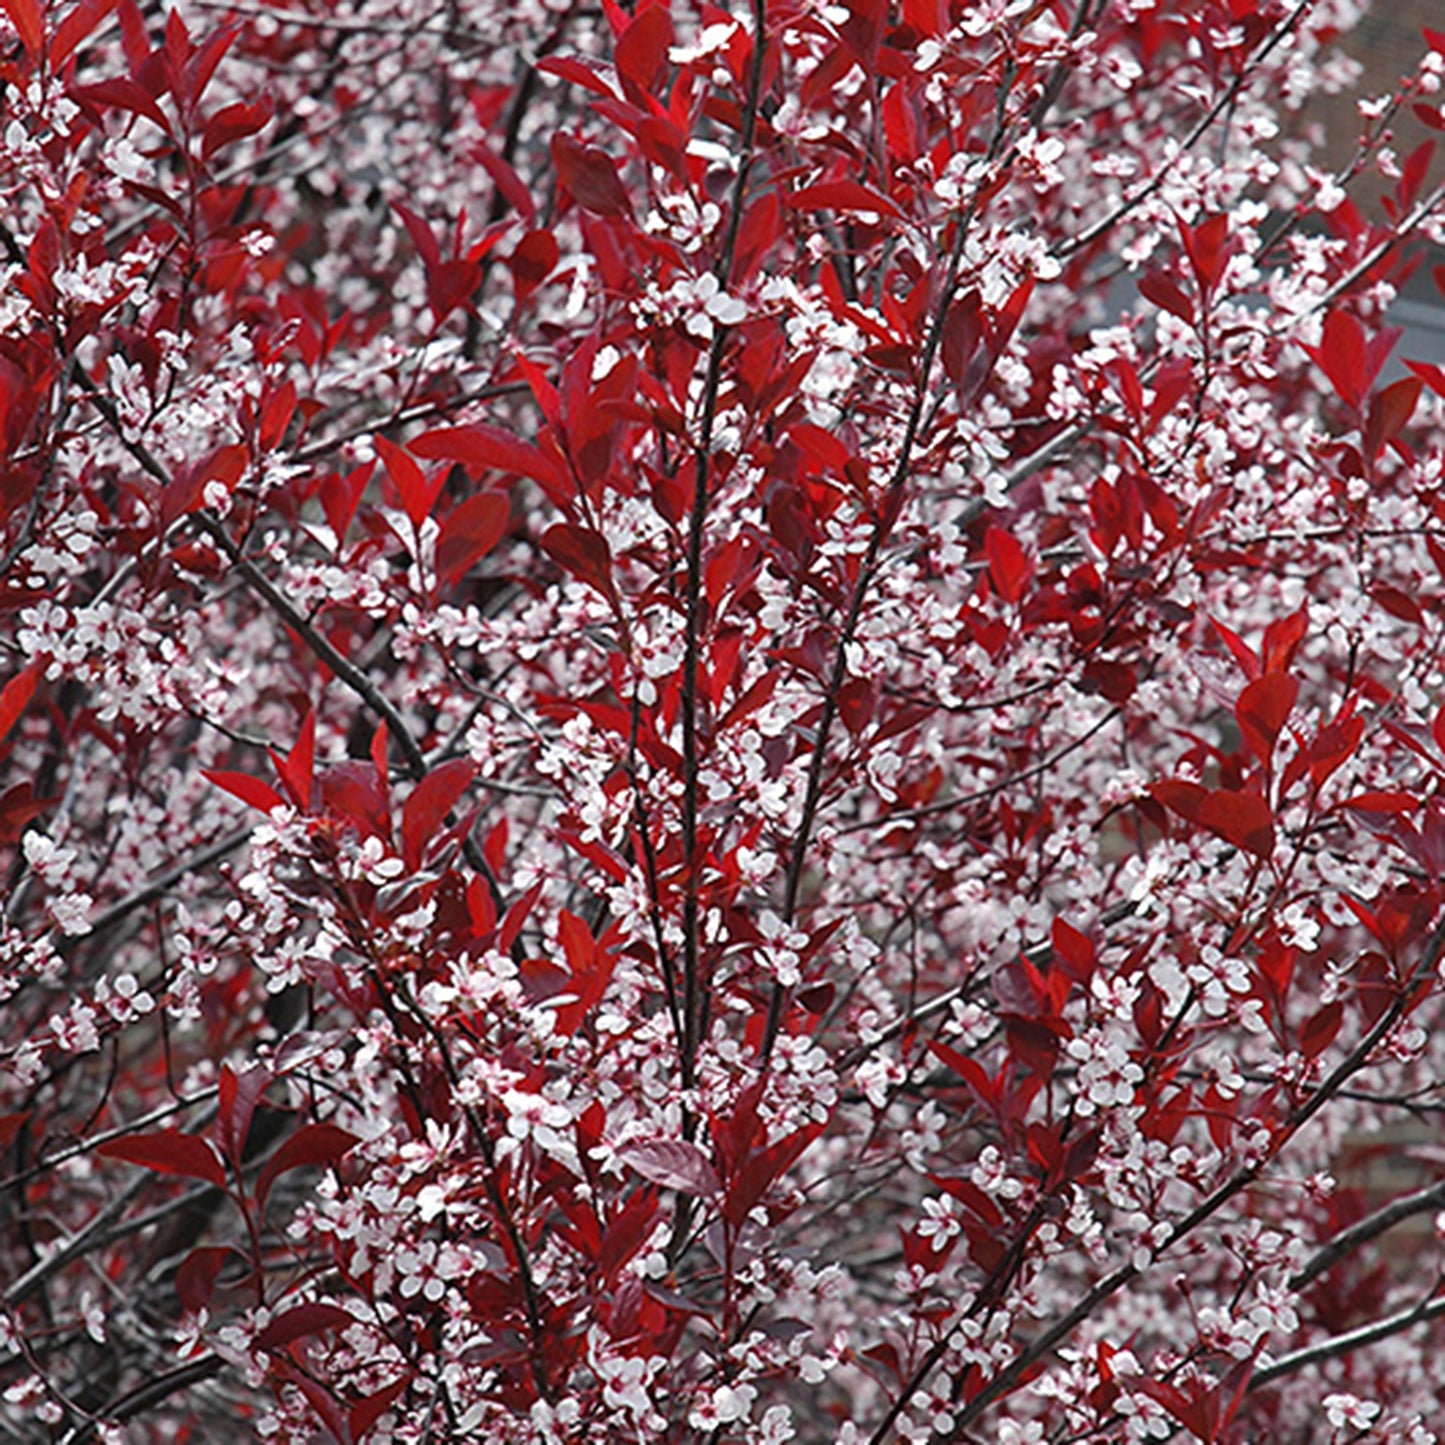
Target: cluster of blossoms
717,726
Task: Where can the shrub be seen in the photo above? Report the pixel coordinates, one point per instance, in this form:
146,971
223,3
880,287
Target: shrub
719,726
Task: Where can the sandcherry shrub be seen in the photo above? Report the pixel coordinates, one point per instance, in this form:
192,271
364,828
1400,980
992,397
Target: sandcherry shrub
719,725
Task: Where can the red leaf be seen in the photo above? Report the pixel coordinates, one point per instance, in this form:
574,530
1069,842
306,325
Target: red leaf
328,1408
28,18
276,415
79,23
674,1164
1207,248
1113,680
1320,1029
963,334
296,1324
517,916
1390,411
430,801
1281,641
18,806
533,259
1383,801
486,448
1263,708
761,227
1166,295
125,94
350,791
1432,375
582,552
1243,819
370,1408
1242,653
1192,1413
821,444
626,1231
200,61
641,51
232,123
452,284
590,176
508,183
16,697
168,1152
238,1095
765,1168
862,31
1341,356
1009,568
251,791
1185,798
848,196
971,1197
471,530
925,16
578,944
970,1071
297,769
1335,744
417,493
1397,603
817,998
579,72
310,1144
196,1277
421,237
1073,951
340,496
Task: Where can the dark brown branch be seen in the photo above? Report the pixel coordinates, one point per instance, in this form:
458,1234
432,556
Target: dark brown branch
1430,1308
152,1392
1368,1228
693,1011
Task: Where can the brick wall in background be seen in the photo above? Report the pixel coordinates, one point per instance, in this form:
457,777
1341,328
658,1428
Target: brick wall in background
1388,44
1398,1159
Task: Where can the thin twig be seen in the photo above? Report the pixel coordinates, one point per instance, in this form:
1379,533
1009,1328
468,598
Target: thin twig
1366,1229
1344,1344
1201,127
693,1012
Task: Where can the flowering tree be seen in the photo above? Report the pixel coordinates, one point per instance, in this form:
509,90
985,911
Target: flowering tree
718,726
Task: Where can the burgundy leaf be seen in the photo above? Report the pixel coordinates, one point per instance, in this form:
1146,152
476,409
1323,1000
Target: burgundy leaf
590,176
168,1152
296,1324
582,552
196,1276
472,528
16,697
238,1095
310,1145
28,18
430,801
1262,710
674,1164
251,791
